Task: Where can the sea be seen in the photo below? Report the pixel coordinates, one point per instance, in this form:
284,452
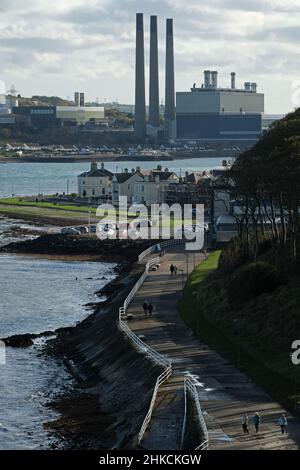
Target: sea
39,294
26,179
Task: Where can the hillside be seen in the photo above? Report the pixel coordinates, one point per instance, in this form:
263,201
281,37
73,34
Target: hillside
254,333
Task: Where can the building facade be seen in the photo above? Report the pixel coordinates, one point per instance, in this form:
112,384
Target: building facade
219,114
154,187
124,185
95,184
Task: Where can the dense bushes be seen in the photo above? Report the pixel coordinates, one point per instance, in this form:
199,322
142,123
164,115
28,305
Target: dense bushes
253,280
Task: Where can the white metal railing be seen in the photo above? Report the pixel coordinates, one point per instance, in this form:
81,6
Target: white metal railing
189,387
140,346
160,246
160,380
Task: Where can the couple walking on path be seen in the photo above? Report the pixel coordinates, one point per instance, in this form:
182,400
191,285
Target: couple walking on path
282,422
148,308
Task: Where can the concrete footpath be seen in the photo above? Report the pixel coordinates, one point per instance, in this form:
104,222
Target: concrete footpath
225,392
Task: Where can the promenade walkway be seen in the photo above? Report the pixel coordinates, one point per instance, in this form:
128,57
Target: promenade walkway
225,392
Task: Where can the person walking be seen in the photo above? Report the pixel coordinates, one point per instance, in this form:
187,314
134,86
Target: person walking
283,422
145,308
172,269
175,270
256,421
150,308
245,422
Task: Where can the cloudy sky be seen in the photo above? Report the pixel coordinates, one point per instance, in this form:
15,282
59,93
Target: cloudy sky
54,48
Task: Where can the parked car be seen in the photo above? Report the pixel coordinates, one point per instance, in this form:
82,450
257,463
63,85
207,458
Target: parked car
70,231
83,229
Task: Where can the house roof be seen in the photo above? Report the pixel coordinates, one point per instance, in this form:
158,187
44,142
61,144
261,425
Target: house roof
163,175
122,177
96,174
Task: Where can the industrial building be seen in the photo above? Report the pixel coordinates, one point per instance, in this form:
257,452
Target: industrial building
210,113
51,116
79,115
37,116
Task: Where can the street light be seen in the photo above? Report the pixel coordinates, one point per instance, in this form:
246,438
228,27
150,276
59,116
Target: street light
182,283
238,321
89,219
187,264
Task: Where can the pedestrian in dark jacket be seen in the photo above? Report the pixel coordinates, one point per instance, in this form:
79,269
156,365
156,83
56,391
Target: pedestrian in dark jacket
150,308
145,307
172,268
256,421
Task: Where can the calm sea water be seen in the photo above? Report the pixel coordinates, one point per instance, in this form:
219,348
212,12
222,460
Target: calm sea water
37,295
49,178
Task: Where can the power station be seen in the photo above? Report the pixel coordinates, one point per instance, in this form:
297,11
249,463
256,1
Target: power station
206,113
153,127
213,113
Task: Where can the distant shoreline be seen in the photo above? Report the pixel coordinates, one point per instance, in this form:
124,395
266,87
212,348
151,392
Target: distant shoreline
116,158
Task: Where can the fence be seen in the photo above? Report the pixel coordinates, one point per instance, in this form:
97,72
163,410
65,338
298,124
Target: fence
157,358
160,246
140,346
190,388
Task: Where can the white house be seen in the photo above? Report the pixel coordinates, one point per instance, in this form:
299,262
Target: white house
153,188
124,185
95,184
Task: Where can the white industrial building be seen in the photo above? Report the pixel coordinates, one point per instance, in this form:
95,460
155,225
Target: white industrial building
79,115
212,113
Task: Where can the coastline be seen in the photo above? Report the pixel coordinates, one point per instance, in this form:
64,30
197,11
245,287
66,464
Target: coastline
96,354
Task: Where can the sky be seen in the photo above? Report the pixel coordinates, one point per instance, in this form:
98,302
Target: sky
55,48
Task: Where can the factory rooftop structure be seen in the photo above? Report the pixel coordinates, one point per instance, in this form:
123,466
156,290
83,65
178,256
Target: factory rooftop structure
212,113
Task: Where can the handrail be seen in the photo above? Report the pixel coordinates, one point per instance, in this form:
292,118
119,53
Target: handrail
189,387
153,355
140,346
160,246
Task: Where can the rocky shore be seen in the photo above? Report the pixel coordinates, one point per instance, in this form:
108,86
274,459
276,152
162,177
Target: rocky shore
113,384
125,251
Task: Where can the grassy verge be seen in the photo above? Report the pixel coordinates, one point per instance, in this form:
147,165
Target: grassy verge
48,205
268,366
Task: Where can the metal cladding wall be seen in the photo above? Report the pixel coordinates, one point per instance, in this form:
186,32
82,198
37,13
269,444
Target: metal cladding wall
218,127
40,116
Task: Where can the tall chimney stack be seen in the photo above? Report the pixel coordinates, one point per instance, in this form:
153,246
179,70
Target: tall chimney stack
233,80
76,98
170,79
81,100
154,119
214,79
140,101
207,78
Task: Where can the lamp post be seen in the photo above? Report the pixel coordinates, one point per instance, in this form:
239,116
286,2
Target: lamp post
89,215
187,264
182,283
238,321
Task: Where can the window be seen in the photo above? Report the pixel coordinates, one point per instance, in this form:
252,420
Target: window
93,192
83,181
103,190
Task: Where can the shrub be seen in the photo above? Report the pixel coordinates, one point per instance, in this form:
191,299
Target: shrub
253,280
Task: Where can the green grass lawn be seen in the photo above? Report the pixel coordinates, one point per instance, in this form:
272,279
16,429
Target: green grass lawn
269,366
47,205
